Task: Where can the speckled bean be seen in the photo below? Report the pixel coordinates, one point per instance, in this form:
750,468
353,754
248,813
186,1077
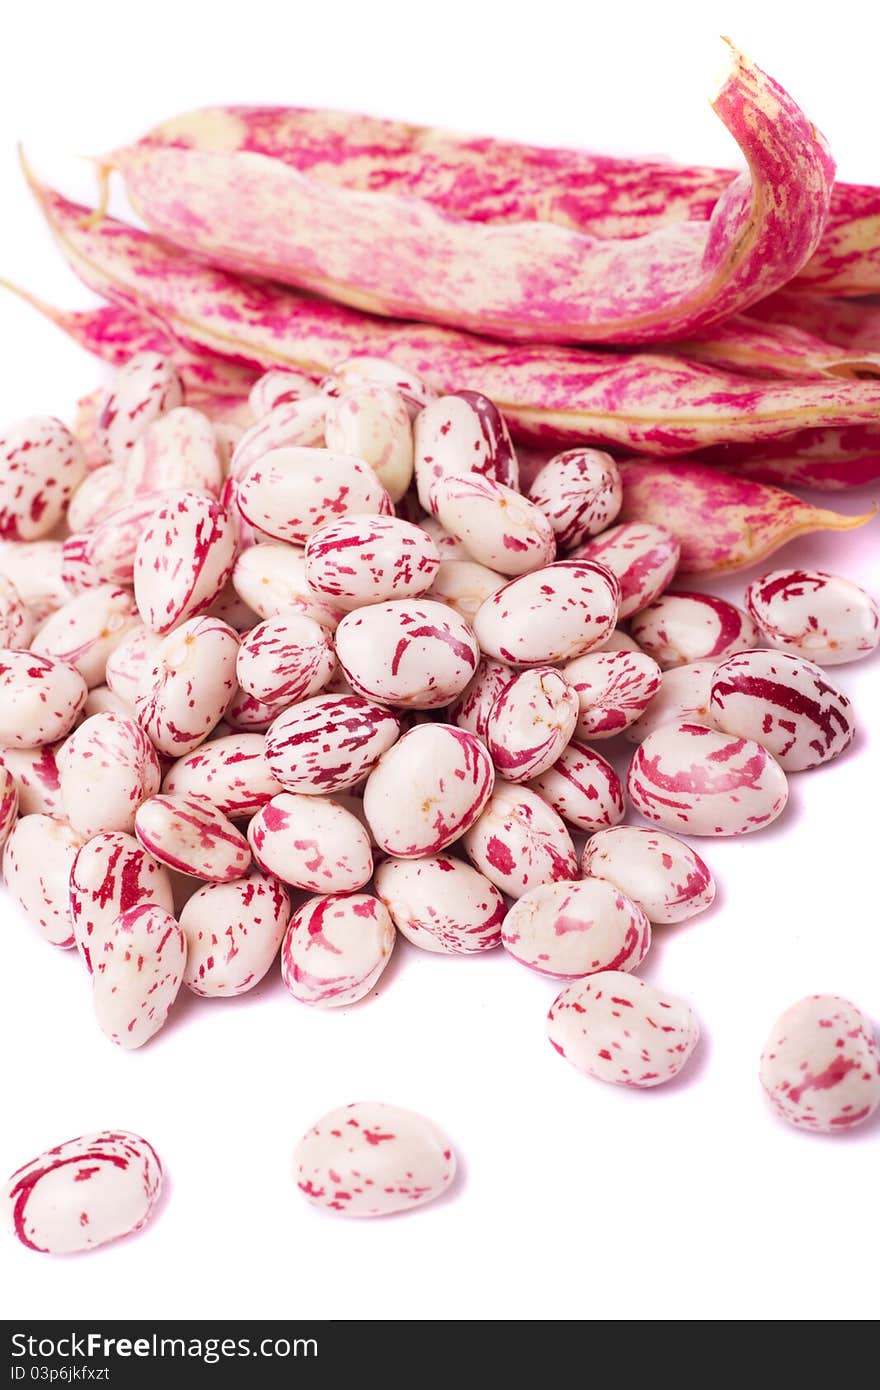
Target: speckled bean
668,880
690,778
821,1065
111,874
247,715
34,567
427,790
497,526
177,452
379,371
371,1159
100,493
786,704
138,971
183,559
16,621
621,1029
40,699
146,387
580,493
233,932
463,585
35,773
232,772
8,803
328,743
312,843
583,788
290,424
531,723
41,464
472,708
189,834
448,548
335,948
371,422
87,629
680,627
551,615
271,579
37,861
573,929
684,694
130,663
617,641
519,841
111,547
441,904
819,616
289,493
280,386
412,652
107,767
360,559
459,433
77,570
613,689
84,1192
642,556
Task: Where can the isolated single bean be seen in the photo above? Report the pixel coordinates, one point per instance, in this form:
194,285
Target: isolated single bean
821,1065
138,971
411,652
40,698
41,464
531,723
372,422
192,679
573,929
579,492
441,904
231,771
183,559
311,842
87,629
112,874
335,948
37,861
681,627
786,704
146,387
643,557
519,841
819,616
107,768
189,834
329,743
551,615
427,790
583,788
613,689
233,932
363,559
668,880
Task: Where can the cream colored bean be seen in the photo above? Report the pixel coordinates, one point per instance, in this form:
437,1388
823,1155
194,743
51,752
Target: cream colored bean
16,621
461,433
822,617
107,768
37,861
41,465
271,579
87,629
290,424
582,788
497,526
668,879
531,723
569,930
289,493
189,834
233,933
379,371
371,422
359,560
427,790
580,492
112,874
285,659
146,387
231,771
177,451
463,585
312,843
788,705
335,949
519,841
821,1065
551,615
684,694
280,386
643,557
183,560
40,699
441,904
329,743
192,679
34,567
613,689
137,975
413,652
35,774
682,627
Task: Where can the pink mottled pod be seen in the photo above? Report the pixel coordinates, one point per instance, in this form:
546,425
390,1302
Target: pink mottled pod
16,621
461,433
247,715
684,694
111,874
183,559
441,904
37,861
668,880
371,422
312,843
41,464
290,492
335,948
472,708
177,452
819,616
232,772
100,493
192,679
582,788
463,585
690,778
40,698
370,559
379,371
87,629
233,932
280,386
644,558
35,774
412,652
786,704
8,803
138,970
130,663
112,545
620,1029
329,743
551,615
821,1065
613,689
580,493
427,790
271,579
291,424
84,1192
189,834
497,526
573,929
678,628
531,723
108,767
34,567
285,659
147,386
519,841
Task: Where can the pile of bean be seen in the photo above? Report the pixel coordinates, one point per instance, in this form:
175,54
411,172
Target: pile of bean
290,690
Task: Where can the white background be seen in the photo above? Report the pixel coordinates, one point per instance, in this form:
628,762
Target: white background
576,1200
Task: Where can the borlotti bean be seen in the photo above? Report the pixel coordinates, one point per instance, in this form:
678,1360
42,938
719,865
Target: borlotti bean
37,861
285,659
553,614
178,451
618,641
372,1159
271,579
459,433
427,790
690,778
448,548
110,547
335,948
441,904
289,425
519,841
464,585
183,560
821,1065
137,973
684,694
100,493
40,699
233,932
372,423
680,627
87,629
472,709
613,690
573,929
147,386
247,715
289,493
130,663
189,834
231,771
379,371
531,723
279,386
497,525
34,567
35,774
311,842
580,493
107,768
102,700
623,1030
668,880
77,570
112,874
411,652
8,803
16,621
819,616
329,743
643,557
786,704
363,559
84,1192
41,464
583,788
183,696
